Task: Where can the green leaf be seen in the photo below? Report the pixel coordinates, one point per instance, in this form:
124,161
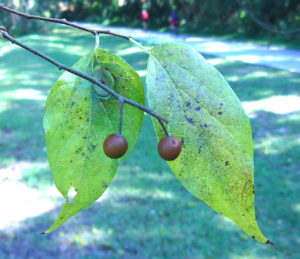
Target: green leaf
216,163
77,121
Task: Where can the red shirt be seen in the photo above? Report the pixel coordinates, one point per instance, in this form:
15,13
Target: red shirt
145,15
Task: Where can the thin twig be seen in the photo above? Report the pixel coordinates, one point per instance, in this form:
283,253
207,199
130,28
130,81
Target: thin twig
60,66
62,21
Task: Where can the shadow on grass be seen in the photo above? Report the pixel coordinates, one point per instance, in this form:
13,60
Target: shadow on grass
156,219
22,133
146,213
252,83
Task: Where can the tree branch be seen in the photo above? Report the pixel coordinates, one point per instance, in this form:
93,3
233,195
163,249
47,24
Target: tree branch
62,21
265,25
60,66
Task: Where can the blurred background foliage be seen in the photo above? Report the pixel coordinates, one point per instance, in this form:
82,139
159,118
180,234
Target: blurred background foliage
217,17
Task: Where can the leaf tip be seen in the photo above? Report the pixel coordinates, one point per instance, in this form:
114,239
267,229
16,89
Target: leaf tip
270,243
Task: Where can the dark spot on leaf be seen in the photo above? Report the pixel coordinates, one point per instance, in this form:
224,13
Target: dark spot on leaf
105,185
72,103
189,120
85,137
220,113
197,97
170,54
227,163
198,109
188,104
71,161
182,141
253,236
221,104
78,150
80,118
92,148
205,125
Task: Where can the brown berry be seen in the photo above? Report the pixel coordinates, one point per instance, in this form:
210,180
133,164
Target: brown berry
169,148
115,146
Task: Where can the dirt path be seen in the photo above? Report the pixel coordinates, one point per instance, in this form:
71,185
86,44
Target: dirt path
273,57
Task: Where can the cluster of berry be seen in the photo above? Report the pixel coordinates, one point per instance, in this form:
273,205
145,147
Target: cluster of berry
115,146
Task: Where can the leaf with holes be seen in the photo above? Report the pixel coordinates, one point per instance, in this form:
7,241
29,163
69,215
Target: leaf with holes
77,119
216,163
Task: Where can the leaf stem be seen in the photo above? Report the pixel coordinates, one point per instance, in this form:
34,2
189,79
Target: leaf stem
139,45
164,128
121,102
93,80
97,41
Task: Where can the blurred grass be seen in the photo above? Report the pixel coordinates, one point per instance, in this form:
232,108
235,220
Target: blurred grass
146,213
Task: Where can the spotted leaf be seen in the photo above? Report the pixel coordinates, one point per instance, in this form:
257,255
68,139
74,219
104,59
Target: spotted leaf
77,119
216,163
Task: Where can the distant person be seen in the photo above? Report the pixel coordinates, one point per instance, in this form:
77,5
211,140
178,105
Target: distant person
145,18
174,22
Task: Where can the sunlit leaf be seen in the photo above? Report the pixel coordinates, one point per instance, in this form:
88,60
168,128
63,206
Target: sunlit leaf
76,122
216,163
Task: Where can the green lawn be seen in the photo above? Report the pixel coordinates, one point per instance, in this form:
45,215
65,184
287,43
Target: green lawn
264,37
146,213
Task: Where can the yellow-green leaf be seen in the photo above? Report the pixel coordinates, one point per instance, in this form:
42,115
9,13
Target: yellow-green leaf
76,122
216,163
